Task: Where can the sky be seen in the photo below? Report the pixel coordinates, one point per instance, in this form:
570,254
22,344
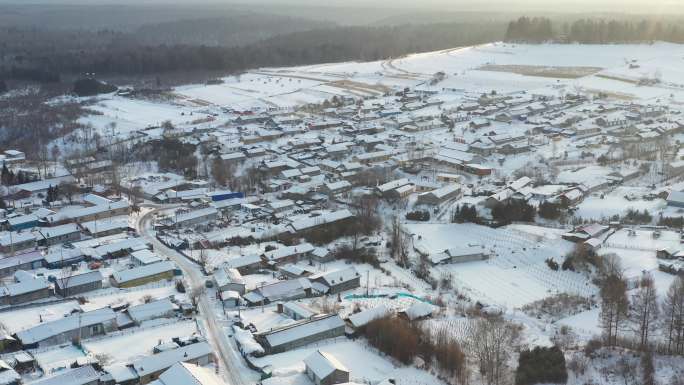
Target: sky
578,6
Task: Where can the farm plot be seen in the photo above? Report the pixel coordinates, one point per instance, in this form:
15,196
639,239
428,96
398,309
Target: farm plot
515,274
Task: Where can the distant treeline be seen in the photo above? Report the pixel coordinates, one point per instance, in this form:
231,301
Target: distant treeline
593,31
117,54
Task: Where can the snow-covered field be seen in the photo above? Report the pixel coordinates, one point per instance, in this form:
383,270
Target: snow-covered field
366,366
133,343
285,88
516,273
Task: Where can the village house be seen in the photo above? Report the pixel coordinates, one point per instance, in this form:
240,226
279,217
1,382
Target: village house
459,255
78,284
324,369
301,333
337,281
229,279
295,310
84,375
142,275
59,234
27,261
440,195
66,329
26,289
362,318
149,368
188,374
287,254
162,308
287,290
12,241
301,226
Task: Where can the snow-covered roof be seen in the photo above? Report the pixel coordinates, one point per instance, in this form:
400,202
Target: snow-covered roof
306,223
419,310
25,286
297,331
163,360
323,364
147,311
78,280
287,251
365,316
393,185
52,328
338,276
183,373
143,271
79,376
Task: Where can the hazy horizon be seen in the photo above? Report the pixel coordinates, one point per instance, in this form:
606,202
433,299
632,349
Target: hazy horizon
564,6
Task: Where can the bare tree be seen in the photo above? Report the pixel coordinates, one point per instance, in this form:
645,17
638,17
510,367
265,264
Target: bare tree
614,301
487,340
644,309
399,249
673,316
196,293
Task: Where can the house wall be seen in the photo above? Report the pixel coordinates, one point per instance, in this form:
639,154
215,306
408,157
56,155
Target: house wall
75,290
332,333
32,296
75,236
9,270
348,285
144,280
86,332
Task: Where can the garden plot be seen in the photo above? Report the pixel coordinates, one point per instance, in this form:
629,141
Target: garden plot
363,363
130,344
615,203
134,296
17,320
129,115
516,273
58,359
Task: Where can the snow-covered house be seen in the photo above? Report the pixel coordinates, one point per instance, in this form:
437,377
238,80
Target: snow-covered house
337,281
301,333
324,369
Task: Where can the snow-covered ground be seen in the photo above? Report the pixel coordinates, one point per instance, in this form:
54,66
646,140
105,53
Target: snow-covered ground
515,274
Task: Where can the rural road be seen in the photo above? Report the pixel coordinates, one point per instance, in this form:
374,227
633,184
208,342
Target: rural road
230,363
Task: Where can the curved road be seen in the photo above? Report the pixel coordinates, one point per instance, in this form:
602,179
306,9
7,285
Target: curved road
230,362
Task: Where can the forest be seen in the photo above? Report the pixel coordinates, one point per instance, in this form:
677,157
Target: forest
112,53
593,31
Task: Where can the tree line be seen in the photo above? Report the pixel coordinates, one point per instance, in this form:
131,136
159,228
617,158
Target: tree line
642,313
116,55
593,31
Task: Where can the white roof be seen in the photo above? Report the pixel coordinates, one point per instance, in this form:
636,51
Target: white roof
365,316
80,212
25,286
163,360
419,310
80,279
79,376
52,328
7,239
146,256
303,329
143,271
287,251
338,276
151,310
323,364
393,185
303,224
58,231
183,373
